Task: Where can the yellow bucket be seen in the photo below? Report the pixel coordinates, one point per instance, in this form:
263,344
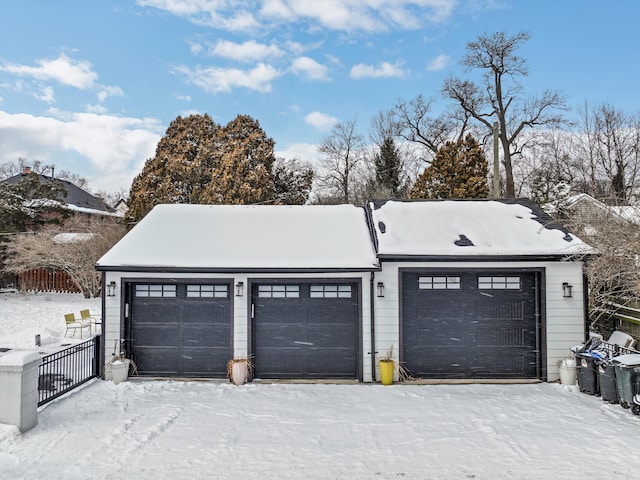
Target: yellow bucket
386,371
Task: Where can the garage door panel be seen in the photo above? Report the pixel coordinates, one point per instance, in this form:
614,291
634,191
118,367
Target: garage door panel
157,312
206,312
281,312
332,336
501,337
206,335
483,326
279,336
155,335
330,364
504,310
156,360
507,365
198,361
335,311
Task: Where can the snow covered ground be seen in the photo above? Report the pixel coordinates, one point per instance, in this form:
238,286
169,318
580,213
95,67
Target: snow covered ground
150,430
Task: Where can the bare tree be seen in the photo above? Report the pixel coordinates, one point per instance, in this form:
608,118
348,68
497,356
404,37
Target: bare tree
9,169
608,146
547,173
343,154
613,274
75,254
414,122
499,96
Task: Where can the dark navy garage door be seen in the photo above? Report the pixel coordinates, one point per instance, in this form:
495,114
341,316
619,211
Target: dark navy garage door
180,329
471,324
305,330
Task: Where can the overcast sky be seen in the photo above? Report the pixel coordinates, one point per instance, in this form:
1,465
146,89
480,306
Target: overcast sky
91,86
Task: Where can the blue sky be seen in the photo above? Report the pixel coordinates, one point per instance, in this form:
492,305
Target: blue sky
91,86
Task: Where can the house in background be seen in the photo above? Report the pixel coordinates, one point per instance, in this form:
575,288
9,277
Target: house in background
85,207
85,210
588,215
474,290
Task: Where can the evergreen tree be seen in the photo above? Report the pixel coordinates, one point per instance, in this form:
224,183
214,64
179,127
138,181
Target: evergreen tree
30,204
198,161
241,173
459,170
292,181
388,164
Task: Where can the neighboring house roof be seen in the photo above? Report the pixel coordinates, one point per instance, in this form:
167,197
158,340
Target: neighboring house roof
121,206
584,206
77,199
469,228
246,238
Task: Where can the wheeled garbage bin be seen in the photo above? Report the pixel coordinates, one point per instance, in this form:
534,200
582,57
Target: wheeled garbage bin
625,366
607,380
587,373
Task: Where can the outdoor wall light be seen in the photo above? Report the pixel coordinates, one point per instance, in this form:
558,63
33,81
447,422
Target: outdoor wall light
239,289
380,289
566,290
111,289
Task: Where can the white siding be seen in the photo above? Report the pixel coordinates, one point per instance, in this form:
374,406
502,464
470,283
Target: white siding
564,317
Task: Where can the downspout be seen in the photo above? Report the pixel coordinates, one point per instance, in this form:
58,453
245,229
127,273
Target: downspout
373,329
585,306
103,300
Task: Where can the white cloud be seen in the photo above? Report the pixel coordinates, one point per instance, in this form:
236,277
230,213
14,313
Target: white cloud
343,15
196,48
98,108
47,95
188,113
113,147
310,69
438,63
63,69
208,13
365,15
385,70
319,120
307,152
215,80
109,92
245,52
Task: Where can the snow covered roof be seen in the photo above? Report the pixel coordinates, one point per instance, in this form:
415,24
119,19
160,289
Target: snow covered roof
440,228
246,238
76,199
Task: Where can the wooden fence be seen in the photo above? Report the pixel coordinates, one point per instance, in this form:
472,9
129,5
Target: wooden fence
627,317
45,280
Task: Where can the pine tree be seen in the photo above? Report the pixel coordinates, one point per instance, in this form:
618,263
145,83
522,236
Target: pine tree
292,181
178,172
200,162
31,204
459,170
388,164
242,174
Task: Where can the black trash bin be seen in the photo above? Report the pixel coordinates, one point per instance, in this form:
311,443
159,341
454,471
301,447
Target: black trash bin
626,366
607,380
586,373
